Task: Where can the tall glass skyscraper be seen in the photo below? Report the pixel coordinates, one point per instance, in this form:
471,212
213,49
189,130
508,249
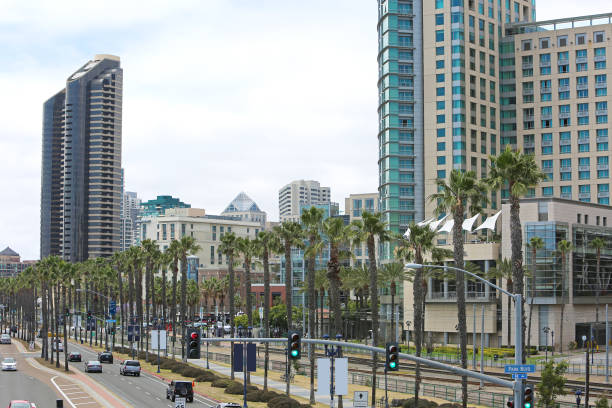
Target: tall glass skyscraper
81,163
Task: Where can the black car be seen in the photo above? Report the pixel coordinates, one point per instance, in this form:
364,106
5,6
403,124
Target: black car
105,357
180,389
74,356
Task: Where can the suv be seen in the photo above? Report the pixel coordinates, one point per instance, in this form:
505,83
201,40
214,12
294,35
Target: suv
180,389
105,357
130,367
5,339
227,405
57,345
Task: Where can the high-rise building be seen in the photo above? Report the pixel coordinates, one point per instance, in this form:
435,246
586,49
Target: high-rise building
81,163
245,209
557,103
130,216
159,205
438,96
298,193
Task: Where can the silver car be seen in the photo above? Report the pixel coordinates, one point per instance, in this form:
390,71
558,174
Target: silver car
5,339
131,367
9,364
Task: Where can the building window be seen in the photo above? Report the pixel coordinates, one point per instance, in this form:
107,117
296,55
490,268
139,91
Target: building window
440,50
580,39
439,4
212,255
547,191
440,19
598,36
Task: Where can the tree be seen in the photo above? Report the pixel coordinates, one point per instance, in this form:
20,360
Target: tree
322,284
535,243
290,234
518,172
598,244
186,246
269,244
151,254
462,192
312,220
174,252
249,249
393,274
229,247
367,229
503,270
419,242
552,384
563,248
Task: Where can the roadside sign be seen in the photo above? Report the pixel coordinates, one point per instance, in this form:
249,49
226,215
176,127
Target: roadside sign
519,376
111,321
112,307
519,368
179,402
162,339
360,399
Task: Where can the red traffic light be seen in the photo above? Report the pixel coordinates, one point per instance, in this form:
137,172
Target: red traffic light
194,336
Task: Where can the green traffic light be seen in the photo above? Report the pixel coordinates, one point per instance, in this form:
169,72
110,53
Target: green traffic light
528,405
392,364
294,353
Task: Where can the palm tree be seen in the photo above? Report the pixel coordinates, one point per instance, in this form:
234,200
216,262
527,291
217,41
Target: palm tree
367,229
419,242
322,284
598,244
503,270
174,252
290,234
312,220
393,274
249,249
462,192
229,247
563,248
269,244
186,246
518,172
338,235
152,255
535,243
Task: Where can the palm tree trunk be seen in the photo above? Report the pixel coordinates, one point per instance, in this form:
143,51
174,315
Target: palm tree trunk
599,285
374,308
393,331
509,306
65,329
266,316
164,301
56,334
44,352
516,238
418,326
311,319
289,299
148,281
458,257
173,307
533,282
183,304
121,303
232,308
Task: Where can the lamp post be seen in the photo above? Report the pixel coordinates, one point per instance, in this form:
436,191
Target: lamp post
332,352
546,330
408,322
518,321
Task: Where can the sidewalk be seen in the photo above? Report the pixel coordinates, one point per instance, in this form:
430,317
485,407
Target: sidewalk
276,385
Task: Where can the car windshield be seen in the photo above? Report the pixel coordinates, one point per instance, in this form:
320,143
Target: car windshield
9,360
94,363
6,336
182,386
133,363
74,354
20,405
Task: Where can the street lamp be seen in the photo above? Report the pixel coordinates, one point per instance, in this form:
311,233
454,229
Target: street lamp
408,322
546,330
518,321
333,352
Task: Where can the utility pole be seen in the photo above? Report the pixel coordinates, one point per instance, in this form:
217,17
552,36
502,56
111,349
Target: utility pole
587,376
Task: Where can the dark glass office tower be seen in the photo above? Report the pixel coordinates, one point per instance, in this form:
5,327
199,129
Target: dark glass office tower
81,166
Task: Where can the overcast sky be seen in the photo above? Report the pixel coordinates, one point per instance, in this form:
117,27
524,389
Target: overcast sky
219,96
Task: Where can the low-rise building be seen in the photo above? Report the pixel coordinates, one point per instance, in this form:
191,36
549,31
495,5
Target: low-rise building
11,264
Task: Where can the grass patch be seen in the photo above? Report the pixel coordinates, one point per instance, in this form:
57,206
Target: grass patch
48,364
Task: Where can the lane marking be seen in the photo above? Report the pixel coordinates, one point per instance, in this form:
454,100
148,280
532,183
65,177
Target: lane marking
62,392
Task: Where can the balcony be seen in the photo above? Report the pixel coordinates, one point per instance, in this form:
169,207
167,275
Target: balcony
527,91
581,60
527,65
565,142
603,194
584,168
546,89
599,58
546,116
583,140
584,195
599,112
547,142
603,166
544,64
528,145
451,296
565,169
602,139
567,196
582,113
564,88
565,115
582,87
528,118
599,85
563,61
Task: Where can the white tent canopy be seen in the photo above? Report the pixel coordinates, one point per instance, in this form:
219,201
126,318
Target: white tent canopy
448,226
489,223
434,225
468,223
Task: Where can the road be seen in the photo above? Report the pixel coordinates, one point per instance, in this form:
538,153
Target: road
26,383
144,391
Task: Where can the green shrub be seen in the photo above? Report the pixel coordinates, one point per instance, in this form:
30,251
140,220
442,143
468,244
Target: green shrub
423,403
283,402
206,376
251,387
268,395
221,383
234,387
254,396
192,372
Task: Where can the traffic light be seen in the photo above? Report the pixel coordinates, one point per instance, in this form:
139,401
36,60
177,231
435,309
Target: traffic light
89,315
528,396
294,345
392,357
510,403
193,343
66,312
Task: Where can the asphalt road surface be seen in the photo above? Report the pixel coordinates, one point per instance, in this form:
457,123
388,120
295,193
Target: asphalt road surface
27,383
144,391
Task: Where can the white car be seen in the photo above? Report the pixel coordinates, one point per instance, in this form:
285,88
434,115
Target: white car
5,339
9,364
227,405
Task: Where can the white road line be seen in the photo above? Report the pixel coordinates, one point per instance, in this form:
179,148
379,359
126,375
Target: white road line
83,403
62,392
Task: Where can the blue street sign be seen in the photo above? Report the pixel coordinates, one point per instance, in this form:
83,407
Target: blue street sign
111,321
519,368
112,307
519,376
